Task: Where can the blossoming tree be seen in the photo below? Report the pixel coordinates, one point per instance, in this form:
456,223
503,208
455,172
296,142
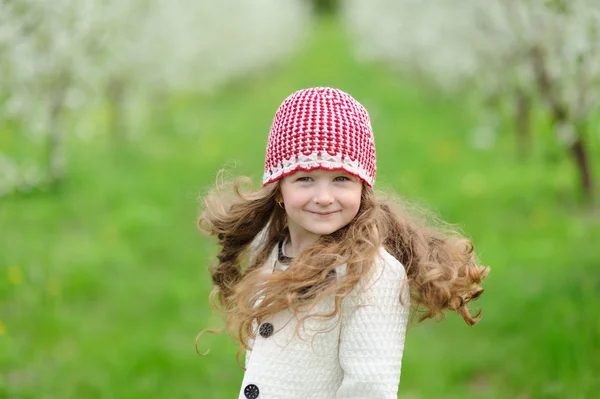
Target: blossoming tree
43,57
523,51
78,54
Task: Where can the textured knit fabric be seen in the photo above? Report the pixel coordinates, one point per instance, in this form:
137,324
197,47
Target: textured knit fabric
320,128
359,356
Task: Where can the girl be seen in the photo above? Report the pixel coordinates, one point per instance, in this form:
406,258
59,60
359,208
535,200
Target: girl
316,273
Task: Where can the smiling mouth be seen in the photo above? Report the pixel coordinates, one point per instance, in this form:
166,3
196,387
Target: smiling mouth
323,213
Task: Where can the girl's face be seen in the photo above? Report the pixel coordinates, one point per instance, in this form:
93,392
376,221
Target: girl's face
319,202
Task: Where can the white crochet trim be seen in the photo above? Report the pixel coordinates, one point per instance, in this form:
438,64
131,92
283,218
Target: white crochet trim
315,161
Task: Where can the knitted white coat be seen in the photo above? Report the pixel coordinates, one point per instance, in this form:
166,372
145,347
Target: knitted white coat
358,357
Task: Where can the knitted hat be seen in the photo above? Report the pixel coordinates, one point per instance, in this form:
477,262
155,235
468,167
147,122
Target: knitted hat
320,128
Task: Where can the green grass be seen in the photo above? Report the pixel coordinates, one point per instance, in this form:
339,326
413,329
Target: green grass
104,284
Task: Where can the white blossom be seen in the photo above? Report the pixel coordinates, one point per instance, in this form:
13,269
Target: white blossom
488,43
72,55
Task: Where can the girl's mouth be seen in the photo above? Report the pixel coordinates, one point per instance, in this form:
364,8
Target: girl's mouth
323,213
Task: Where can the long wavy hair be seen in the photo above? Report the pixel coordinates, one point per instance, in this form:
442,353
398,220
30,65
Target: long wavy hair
440,263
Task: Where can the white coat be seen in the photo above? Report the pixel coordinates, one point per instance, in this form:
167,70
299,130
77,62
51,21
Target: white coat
358,357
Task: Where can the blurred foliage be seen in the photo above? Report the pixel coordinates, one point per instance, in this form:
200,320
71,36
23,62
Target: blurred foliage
325,6
558,5
103,282
528,54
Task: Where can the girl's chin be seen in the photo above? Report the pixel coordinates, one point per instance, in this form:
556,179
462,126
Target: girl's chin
323,231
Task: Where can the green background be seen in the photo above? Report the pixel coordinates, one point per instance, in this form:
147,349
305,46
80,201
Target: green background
104,283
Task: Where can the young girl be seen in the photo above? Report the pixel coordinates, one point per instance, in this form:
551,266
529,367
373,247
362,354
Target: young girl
316,273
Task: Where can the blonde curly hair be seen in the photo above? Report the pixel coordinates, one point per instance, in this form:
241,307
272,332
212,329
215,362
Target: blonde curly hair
440,264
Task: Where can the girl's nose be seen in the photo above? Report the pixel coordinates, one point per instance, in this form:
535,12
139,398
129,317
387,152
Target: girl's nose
323,197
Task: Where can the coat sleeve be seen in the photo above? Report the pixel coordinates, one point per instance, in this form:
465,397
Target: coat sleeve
372,334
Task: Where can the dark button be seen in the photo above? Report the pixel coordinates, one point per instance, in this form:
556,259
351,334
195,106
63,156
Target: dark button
251,391
266,330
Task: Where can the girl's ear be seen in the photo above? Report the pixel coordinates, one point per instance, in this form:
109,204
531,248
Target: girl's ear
278,196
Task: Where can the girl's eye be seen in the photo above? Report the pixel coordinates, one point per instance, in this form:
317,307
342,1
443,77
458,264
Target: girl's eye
304,179
341,178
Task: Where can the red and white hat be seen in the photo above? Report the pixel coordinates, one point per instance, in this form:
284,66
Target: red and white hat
320,128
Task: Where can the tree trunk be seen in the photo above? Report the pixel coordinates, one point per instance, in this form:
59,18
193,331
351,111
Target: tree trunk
116,99
56,157
560,117
580,154
523,123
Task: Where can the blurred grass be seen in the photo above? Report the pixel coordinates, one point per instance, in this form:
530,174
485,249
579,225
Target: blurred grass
103,283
